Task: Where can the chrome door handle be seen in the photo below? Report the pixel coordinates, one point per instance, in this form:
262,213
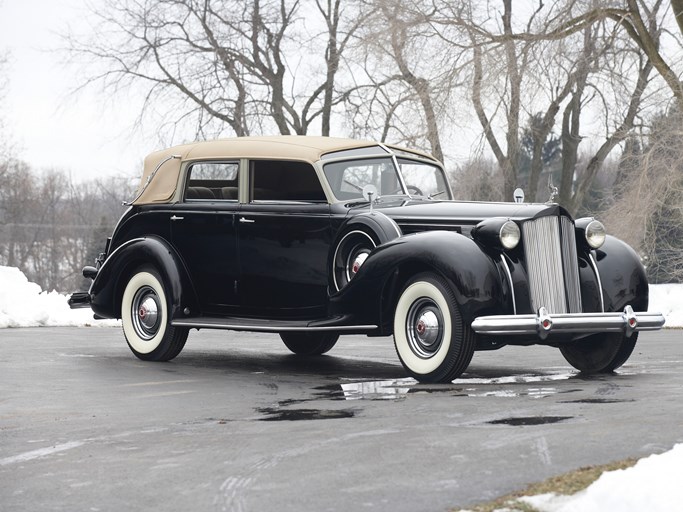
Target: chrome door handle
248,221
177,218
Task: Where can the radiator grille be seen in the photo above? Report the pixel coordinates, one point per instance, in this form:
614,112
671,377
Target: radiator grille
552,265
571,265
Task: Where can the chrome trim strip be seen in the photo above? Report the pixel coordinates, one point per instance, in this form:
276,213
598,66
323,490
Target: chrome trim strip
570,264
506,325
150,178
269,328
512,286
398,169
594,264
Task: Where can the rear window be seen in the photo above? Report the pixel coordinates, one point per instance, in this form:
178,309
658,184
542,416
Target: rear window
212,181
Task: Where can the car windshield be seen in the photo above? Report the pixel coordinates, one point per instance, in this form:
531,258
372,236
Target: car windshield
347,178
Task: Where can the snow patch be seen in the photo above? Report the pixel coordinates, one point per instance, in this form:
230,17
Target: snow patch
652,484
668,299
24,304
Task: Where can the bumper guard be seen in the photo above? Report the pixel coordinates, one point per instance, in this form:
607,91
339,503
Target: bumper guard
544,324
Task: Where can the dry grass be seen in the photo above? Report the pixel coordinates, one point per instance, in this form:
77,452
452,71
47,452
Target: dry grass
567,484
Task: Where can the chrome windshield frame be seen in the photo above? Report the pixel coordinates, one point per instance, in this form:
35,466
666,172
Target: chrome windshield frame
390,154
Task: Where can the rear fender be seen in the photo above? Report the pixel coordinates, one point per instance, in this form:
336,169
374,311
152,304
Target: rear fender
473,276
108,286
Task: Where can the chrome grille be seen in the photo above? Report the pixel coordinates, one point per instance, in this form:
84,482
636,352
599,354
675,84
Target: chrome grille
552,264
571,265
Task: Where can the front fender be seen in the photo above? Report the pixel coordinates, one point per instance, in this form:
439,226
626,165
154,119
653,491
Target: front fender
108,286
474,278
385,228
622,276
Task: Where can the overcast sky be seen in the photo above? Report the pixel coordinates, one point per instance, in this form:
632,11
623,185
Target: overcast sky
51,127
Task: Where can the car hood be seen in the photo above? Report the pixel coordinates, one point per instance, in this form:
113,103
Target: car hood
417,215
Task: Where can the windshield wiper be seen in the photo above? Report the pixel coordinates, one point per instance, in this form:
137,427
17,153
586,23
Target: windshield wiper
432,196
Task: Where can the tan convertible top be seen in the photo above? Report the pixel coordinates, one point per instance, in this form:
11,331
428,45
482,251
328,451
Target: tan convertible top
284,147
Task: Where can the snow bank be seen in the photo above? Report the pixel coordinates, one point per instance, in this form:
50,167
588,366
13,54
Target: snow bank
668,299
24,304
653,484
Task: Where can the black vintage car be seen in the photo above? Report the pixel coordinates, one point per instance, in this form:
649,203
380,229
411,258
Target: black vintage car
313,237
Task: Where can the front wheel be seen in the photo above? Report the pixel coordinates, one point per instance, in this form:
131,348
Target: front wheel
431,339
309,343
600,353
146,320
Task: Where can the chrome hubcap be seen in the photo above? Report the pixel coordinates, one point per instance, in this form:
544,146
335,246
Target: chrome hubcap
424,327
146,313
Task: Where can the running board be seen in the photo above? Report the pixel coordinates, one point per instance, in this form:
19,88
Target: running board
259,325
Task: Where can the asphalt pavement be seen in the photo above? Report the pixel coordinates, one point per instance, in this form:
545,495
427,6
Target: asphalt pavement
237,423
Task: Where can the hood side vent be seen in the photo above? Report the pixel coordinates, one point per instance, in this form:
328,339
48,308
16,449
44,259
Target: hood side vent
408,227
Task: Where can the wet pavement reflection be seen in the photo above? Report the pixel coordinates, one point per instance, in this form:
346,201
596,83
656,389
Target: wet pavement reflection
469,386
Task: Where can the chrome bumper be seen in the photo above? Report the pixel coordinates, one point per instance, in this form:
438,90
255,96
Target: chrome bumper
544,324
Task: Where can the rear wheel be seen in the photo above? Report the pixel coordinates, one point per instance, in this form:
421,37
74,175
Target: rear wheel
309,343
146,320
431,339
600,353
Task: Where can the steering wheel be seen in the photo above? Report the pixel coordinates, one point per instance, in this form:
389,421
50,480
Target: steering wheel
412,190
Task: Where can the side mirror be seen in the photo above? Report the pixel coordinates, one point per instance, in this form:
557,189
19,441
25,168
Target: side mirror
370,194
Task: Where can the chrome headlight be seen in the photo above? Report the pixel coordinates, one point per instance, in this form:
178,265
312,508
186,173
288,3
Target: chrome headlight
497,232
595,234
509,235
590,230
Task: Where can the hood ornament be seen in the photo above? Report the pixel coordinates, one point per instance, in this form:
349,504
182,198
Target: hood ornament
553,190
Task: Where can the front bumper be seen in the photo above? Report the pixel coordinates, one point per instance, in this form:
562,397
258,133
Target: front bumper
544,324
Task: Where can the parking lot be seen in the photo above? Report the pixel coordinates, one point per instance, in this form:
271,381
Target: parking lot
238,423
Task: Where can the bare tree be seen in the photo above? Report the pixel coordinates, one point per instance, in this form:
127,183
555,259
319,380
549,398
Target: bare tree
567,61
251,66
638,19
409,78
478,180
647,210
50,226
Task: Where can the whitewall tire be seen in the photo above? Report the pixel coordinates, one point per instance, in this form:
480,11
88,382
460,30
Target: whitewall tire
431,339
146,320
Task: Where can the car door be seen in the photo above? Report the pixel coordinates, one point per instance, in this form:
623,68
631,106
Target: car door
203,232
284,237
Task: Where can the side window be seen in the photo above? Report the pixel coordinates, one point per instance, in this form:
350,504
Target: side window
285,181
212,181
424,179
